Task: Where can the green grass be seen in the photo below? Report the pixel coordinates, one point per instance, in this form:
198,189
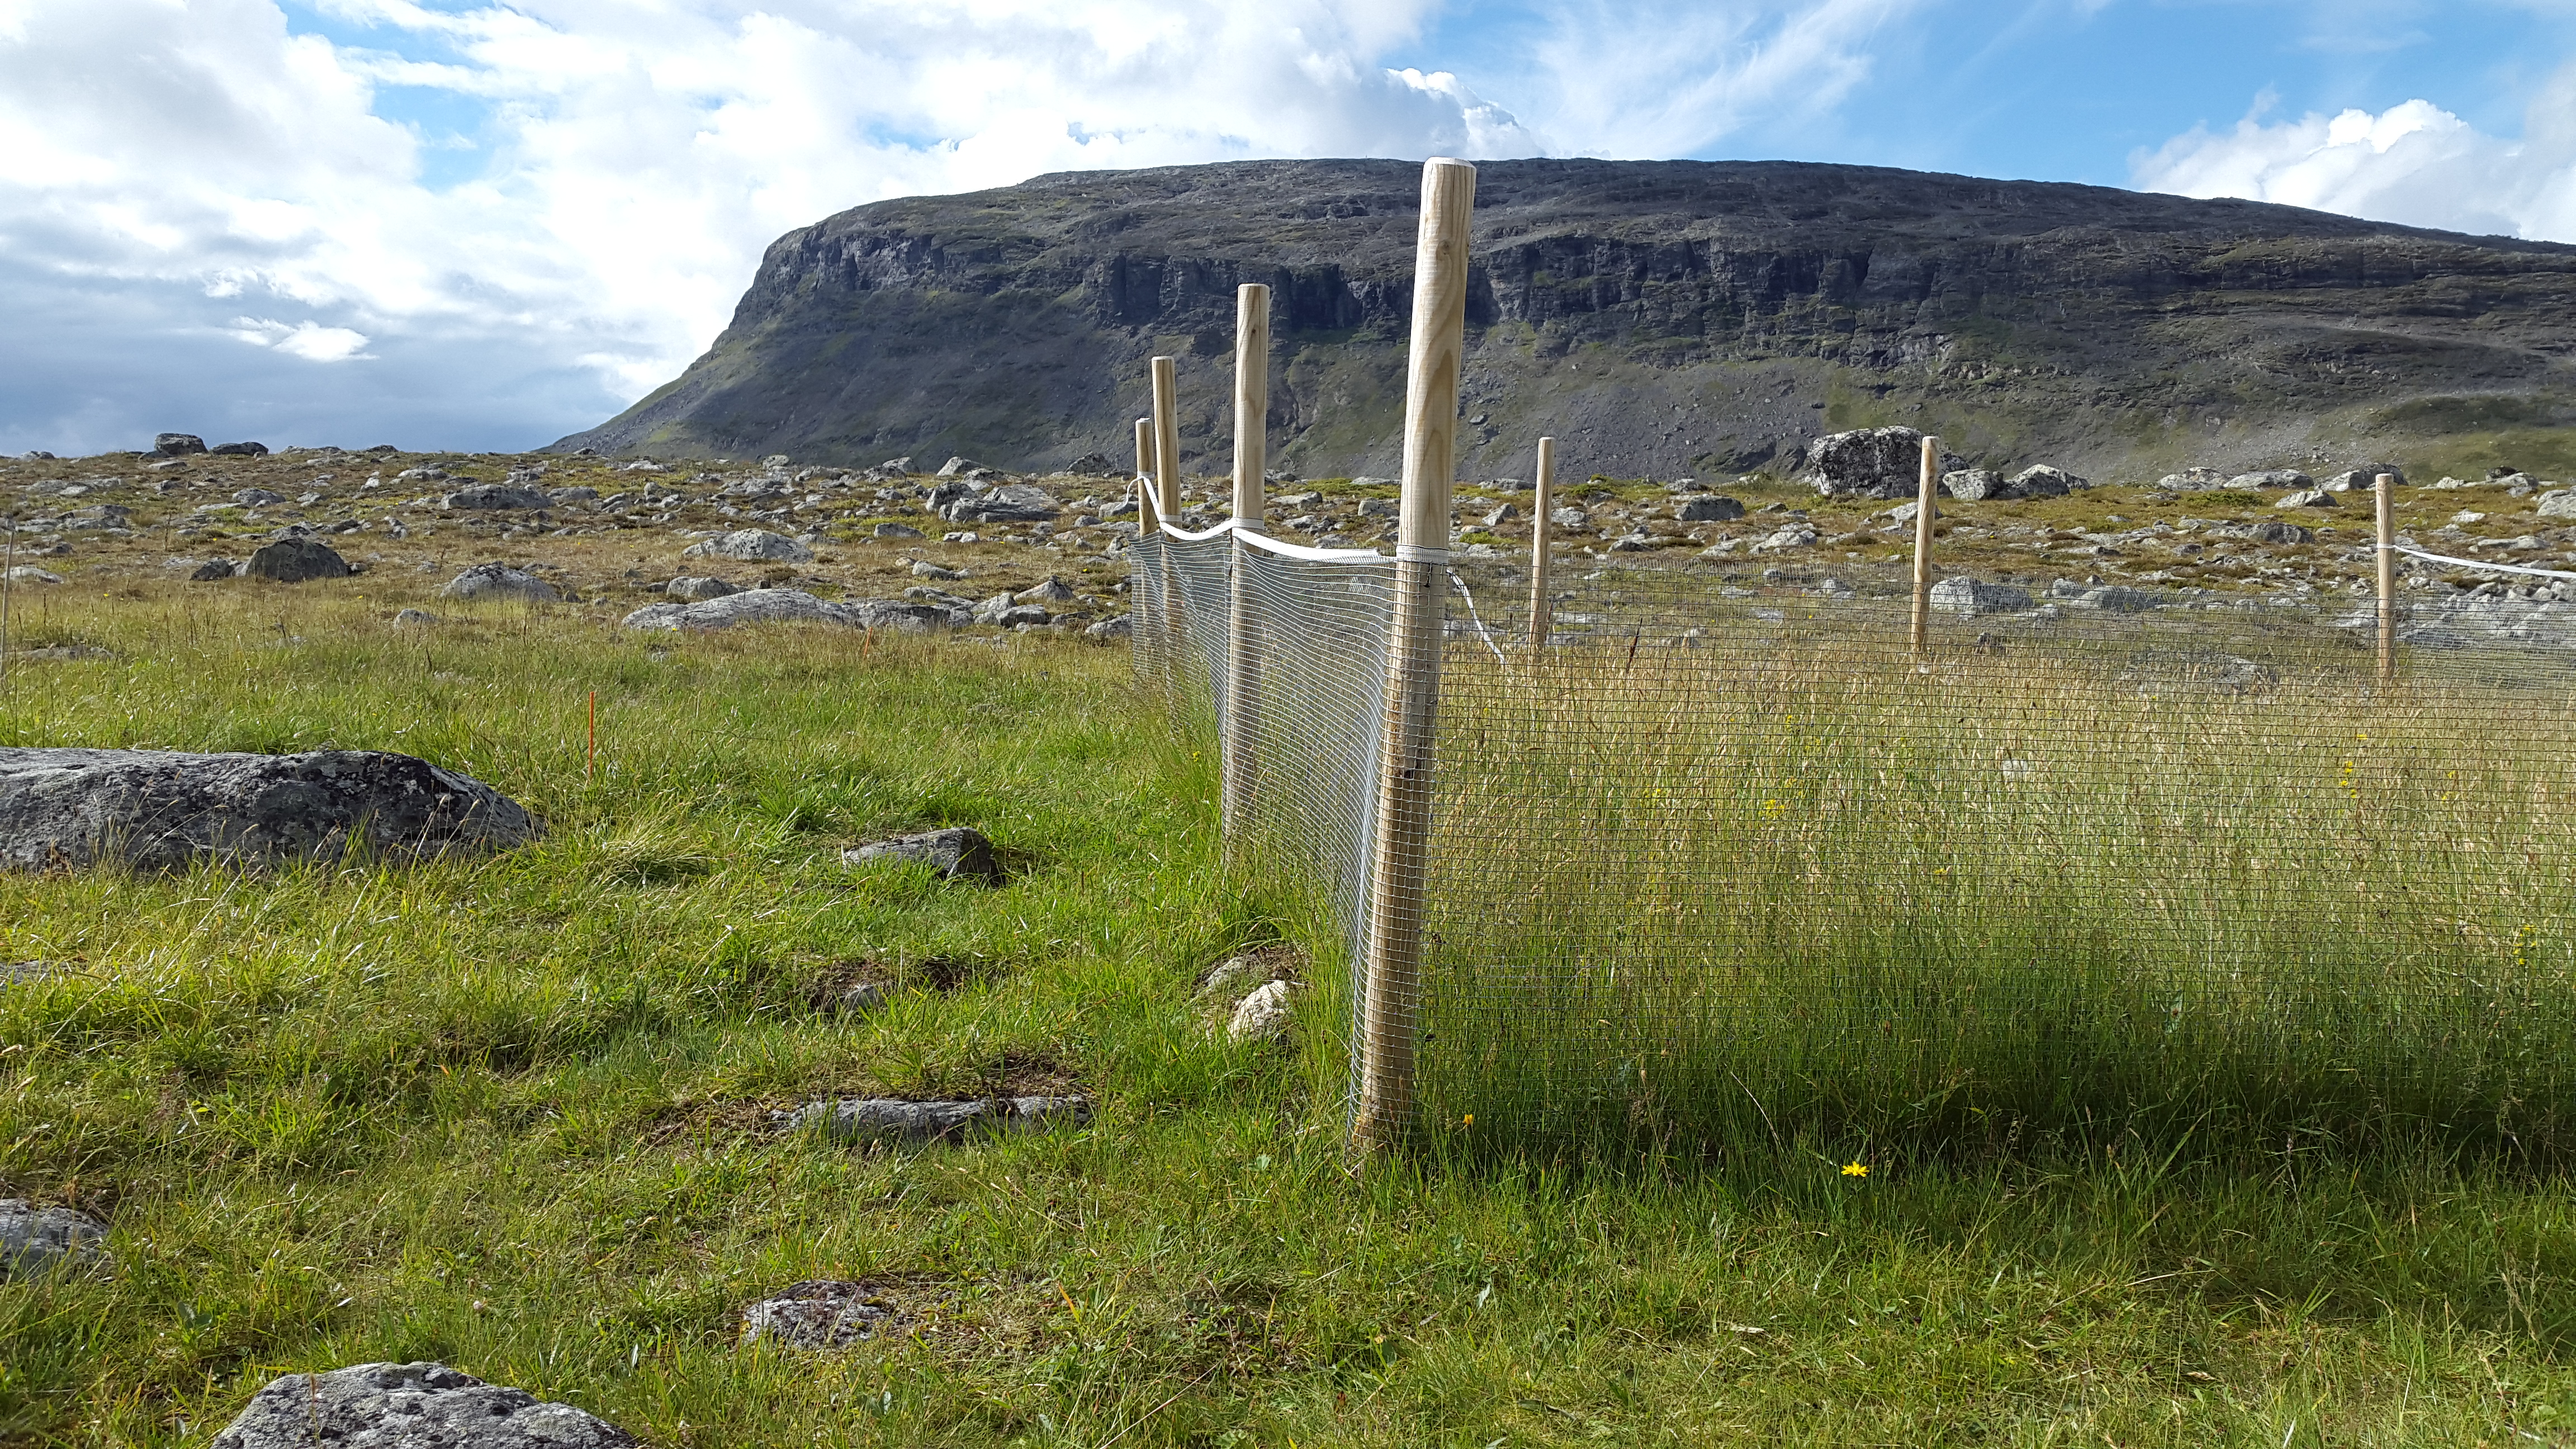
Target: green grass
508,1113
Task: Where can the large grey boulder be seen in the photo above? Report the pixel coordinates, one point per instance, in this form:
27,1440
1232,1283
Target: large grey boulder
500,581
171,445
795,606
753,545
2365,478
2192,480
1970,597
1974,485
1867,463
294,560
409,1406
162,809
2558,503
887,1118
497,495
698,588
36,1240
959,852
2272,478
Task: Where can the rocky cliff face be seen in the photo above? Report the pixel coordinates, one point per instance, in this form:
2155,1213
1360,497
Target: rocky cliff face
1661,318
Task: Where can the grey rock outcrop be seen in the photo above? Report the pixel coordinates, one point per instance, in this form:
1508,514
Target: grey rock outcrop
897,530
161,809
415,619
213,569
1010,503
172,445
1973,485
497,495
1265,1014
2364,478
752,545
35,1241
2040,480
239,450
959,852
2272,478
888,1118
493,581
1051,591
1703,508
1865,463
795,606
409,1406
1111,630
1969,597
2558,503
2193,480
296,560
2306,498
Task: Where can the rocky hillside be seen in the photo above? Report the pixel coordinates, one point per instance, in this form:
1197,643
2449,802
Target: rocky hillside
1663,318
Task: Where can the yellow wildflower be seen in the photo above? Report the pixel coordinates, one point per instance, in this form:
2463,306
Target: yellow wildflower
1855,1169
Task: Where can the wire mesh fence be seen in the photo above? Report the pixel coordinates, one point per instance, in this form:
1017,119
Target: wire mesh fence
1718,861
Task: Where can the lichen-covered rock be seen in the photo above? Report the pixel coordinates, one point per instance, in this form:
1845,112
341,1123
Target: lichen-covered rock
959,852
698,588
1264,1015
163,809
410,1406
888,1118
496,495
1866,463
500,581
755,545
1969,597
36,1240
795,606
817,1313
294,560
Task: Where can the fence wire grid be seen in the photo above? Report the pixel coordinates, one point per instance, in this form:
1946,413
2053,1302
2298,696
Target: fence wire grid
1724,862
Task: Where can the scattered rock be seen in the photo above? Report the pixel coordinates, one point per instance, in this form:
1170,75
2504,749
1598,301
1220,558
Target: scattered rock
294,560
2364,479
1121,627
885,1117
866,998
2307,498
35,1241
1796,535
898,530
214,568
2558,503
1050,590
1701,508
500,581
2192,480
925,569
1010,503
2272,478
1387,508
414,619
1569,518
162,809
1097,465
756,545
409,1406
1502,515
2116,599
692,589
1974,485
959,852
240,450
569,497
955,466
257,498
1264,1015
171,445
496,495
1969,597
795,606
30,574
818,1314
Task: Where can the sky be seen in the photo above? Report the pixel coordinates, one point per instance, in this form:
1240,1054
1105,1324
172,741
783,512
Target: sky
483,224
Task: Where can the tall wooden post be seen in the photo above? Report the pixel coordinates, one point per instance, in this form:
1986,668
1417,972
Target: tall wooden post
1542,608
1144,471
2384,487
1167,504
1243,635
1148,525
1399,874
1923,493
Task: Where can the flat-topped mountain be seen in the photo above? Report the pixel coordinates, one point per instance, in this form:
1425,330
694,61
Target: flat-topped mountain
1662,318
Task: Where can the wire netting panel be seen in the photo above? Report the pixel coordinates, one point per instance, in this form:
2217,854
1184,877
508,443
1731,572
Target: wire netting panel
1717,859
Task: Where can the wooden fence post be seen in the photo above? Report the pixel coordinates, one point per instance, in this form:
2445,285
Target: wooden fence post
1167,507
1240,761
1923,512
1147,516
2385,489
1399,874
1542,608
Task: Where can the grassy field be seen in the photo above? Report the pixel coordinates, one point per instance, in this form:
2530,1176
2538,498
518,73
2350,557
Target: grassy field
510,1113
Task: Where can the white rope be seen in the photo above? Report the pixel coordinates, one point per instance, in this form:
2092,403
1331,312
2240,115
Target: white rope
1481,631
2471,563
1298,550
1421,553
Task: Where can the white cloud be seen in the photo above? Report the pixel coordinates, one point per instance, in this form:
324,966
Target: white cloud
309,340
163,158
2414,163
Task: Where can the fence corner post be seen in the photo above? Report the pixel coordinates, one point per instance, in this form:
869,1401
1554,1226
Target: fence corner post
1398,874
1541,607
1167,509
1242,695
1923,515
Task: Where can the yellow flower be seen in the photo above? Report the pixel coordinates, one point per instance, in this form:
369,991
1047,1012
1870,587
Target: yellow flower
1467,1121
1855,1169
